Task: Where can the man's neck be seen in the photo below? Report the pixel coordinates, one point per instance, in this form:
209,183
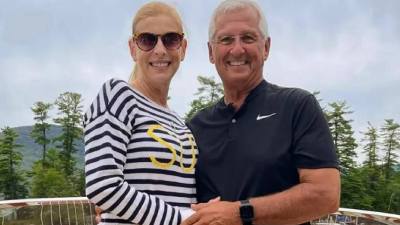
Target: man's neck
236,95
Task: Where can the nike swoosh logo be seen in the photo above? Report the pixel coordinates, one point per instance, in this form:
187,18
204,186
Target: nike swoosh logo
259,117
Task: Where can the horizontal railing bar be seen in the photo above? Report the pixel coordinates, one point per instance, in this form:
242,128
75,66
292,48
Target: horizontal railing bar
40,201
386,218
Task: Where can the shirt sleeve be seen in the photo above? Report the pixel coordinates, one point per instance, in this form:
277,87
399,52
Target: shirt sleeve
313,144
107,130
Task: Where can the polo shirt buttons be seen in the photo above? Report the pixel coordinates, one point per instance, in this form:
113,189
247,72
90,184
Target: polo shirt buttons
233,120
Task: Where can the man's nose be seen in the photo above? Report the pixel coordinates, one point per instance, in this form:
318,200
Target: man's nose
237,47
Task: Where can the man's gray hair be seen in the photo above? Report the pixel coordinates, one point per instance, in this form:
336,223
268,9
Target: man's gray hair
232,5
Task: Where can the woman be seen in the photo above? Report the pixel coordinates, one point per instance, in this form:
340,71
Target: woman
140,156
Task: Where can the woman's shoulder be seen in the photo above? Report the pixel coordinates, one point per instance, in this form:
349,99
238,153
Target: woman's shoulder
115,97
115,88
114,84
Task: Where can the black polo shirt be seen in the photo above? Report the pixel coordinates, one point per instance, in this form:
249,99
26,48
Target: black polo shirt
257,150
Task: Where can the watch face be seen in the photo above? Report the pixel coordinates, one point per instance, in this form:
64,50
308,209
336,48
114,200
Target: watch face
246,211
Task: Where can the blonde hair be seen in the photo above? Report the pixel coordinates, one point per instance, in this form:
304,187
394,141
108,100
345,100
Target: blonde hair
151,9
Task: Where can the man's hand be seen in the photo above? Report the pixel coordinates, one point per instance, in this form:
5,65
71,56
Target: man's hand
215,213
198,206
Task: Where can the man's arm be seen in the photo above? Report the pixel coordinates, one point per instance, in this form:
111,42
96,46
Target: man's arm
317,194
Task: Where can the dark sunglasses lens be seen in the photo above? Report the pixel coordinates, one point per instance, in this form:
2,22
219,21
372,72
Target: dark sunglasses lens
172,40
146,41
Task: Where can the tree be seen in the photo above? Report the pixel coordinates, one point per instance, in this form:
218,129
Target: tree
355,193
371,173
387,198
391,144
371,146
207,94
50,182
345,144
342,134
70,114
41,127
12,180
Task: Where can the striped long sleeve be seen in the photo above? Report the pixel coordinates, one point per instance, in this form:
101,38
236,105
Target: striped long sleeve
112,180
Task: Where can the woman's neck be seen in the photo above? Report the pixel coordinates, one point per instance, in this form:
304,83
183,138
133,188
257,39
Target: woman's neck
157,93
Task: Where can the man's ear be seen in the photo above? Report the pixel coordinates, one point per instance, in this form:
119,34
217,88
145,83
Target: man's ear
210,53
267,47
132,48
183,49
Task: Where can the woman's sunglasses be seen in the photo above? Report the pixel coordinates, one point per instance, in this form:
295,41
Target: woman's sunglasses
147,41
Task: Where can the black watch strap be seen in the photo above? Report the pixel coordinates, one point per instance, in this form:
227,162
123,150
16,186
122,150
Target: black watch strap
246,212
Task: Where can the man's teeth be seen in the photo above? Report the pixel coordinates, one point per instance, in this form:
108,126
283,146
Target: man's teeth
159,64
237,63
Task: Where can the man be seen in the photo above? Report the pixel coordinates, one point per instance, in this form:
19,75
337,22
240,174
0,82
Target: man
263,144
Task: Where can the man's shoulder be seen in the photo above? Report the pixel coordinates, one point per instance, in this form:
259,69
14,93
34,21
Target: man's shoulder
293,93
203,114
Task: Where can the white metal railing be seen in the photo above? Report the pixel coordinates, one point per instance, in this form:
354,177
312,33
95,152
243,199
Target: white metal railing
47,211
79,211
356,216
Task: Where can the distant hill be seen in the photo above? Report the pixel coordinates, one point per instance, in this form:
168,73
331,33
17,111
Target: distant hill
32,152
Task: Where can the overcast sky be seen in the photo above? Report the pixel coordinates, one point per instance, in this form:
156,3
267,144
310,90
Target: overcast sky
349,50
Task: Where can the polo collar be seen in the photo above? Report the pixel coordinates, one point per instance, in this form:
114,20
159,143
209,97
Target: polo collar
257,90
221,106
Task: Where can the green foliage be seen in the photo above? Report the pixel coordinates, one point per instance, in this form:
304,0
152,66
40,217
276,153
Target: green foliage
387,198
342,133
40,129
50,182
79,182
12,179
353,194
69,118
372,185
55,175
391,145
370,147
207,94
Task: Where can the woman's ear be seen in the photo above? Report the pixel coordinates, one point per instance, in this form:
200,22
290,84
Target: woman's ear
132,48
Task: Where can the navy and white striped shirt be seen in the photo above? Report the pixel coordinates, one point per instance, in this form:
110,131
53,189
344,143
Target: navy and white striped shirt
139,156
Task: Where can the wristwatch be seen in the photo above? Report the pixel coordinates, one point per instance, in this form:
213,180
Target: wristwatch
246,212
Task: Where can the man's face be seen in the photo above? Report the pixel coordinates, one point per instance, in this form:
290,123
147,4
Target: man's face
238,48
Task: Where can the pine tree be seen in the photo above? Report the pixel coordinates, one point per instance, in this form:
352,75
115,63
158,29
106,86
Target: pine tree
70,116
342,134
391,145
355,193
207,94
371,171
345,144
388,194
50,181
41,127
12,180
371,146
